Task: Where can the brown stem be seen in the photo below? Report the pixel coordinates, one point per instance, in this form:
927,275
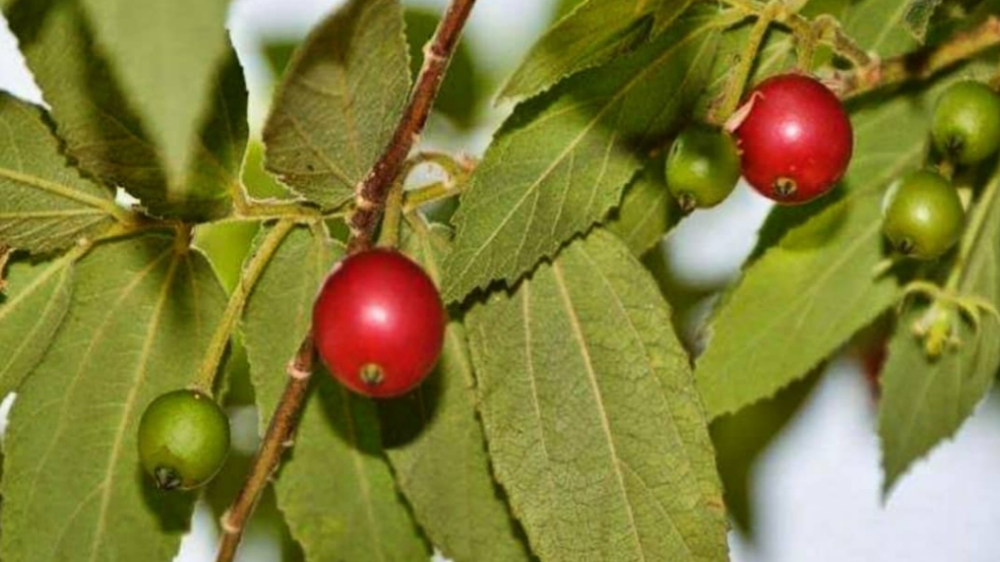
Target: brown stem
277,439
921,65
371,196
372,191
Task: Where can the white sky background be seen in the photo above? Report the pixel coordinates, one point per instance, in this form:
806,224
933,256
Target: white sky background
818,486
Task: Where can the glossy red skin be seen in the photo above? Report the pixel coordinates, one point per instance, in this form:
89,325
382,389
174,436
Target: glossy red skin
379,308
797,129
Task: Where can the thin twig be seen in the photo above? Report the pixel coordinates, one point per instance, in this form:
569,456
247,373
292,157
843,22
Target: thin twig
371,196
374,188
277,439
921,65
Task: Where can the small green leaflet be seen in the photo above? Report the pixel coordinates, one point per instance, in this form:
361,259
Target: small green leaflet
106,138
593,33
594,426
918,17
647,211
560,163
37,299
879,26
166,54
924,402
45,205
335,490
339,101
436,447
140,319
808,294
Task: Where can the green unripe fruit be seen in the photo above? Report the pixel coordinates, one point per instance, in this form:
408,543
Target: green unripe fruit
966,125
703,167
923,215
183,439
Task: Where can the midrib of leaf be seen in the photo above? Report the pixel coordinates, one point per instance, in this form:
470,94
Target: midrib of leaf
602,276
55,267
53,214
531,190
130,400
535,402
29,338
890,25
809,294
599,399
360,471
63,191
84,360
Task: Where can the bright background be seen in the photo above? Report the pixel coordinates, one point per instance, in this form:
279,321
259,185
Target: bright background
817,487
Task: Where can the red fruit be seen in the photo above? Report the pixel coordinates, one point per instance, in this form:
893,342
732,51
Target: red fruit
378,323
797,139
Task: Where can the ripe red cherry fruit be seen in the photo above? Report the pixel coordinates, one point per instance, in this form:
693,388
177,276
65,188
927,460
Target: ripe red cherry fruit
797,139
378,323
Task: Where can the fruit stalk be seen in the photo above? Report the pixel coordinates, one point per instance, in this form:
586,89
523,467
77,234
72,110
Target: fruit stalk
371,195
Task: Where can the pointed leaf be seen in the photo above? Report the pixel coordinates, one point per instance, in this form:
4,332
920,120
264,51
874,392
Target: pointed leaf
339,101
592,34
561,161
925,402
101,128
140,319
647,211
37,298
436,447
593,423
45,205
166,54
808,294
335,489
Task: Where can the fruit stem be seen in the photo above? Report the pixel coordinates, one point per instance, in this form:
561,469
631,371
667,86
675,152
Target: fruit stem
204,380
389,235
738,81
370,199
973,232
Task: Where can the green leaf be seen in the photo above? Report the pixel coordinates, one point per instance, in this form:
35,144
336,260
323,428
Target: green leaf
339,101
808,294
45,204
647,211
561,161
102,131
336,489
435,444
166,54
139,322
925,402
593,423
592,34
918,17
879,26
37,298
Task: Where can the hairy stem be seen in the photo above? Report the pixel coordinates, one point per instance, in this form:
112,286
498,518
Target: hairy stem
205,378
921,65
370,199
738,81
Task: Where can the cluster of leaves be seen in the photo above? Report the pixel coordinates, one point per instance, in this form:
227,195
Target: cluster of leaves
565,420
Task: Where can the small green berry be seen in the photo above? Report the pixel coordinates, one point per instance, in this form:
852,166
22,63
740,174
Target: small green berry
183,439
966,125
923,215
703,167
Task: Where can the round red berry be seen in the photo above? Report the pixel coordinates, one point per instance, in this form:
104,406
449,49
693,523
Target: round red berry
796,140
379,323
